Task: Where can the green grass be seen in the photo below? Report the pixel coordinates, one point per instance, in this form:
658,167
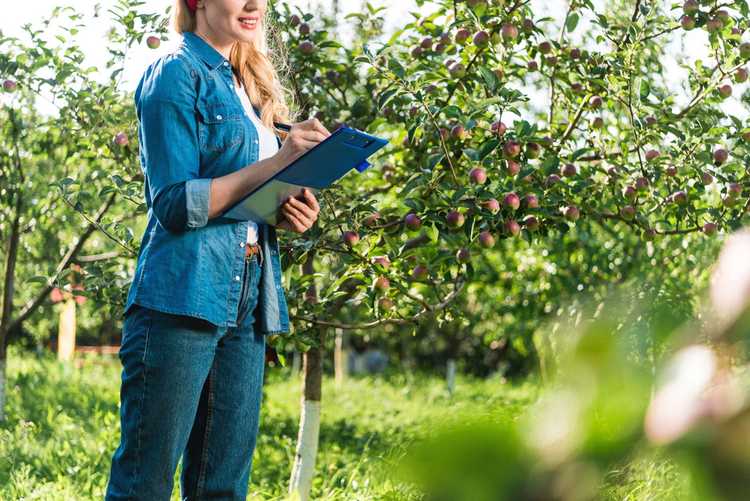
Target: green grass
62,426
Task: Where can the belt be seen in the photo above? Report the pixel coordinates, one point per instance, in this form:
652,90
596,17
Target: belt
251,250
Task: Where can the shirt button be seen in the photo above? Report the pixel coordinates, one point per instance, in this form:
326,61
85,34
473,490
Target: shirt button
226,63
219,117
237,277
242,244
256,141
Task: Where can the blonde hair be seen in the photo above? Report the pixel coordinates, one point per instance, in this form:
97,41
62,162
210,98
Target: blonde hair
257,68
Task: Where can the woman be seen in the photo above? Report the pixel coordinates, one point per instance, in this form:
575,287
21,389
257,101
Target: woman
206,289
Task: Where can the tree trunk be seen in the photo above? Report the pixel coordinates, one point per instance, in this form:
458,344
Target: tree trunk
309,426
8,292
451,375
341,357
303,469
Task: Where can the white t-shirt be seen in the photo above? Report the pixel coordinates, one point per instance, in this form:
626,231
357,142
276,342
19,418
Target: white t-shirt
267,146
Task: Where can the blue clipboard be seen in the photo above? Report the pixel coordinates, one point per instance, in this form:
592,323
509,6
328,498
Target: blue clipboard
321,166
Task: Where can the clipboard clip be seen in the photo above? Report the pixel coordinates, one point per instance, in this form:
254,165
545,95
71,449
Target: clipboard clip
363,166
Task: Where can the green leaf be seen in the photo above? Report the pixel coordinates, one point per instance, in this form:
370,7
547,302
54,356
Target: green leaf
645,89
572,21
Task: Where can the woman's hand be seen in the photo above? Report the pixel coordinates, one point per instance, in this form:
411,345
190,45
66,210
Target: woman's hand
299,216
301,137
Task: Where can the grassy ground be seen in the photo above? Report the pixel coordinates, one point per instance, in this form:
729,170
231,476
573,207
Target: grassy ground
62,427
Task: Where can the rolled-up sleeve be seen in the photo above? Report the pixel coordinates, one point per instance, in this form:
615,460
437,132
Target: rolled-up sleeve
168,132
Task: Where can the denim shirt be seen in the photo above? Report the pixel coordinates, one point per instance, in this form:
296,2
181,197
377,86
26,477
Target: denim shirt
192,128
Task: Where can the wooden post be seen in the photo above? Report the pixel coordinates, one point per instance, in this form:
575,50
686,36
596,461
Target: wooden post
341,357
66,334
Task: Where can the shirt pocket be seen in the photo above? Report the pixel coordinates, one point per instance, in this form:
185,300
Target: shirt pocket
219,127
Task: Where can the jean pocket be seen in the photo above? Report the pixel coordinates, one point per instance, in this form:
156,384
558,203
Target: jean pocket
220,127
135,331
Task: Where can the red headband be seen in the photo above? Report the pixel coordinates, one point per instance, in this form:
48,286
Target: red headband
192,4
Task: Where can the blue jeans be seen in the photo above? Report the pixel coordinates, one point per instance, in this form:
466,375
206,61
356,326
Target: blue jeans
191,390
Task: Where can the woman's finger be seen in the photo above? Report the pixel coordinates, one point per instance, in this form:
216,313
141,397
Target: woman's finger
296,223
312,135
301,216
312,201
303,207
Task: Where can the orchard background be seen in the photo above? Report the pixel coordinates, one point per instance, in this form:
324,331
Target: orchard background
534,253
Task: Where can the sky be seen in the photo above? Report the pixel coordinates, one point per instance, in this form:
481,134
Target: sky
686,49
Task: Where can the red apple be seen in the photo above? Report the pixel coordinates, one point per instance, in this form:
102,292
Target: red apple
306,47
551,180
382,261
121,139
687,22
572,213
532,66
531,223
628,212
462,35
512,227
680,197
385,303
714,24
350,238
9,85
294,20
511,201
372,219
511,149
641,184
512,167
509,32
304,29
597,123
491,205
630,193
545,47
486,240
498,128
412,221
458,132
725,91
671,171
381,284
463,255
707,178
481,38
419,273
596,102
531,201
720,156
478,175
533,150
153,42
740,76
745,50
455,219
734,190
652,155
649,234
710,228
569,170
426,43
